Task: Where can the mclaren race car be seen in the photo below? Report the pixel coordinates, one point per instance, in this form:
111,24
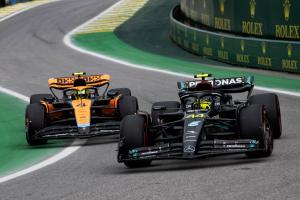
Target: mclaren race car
83,108
206,122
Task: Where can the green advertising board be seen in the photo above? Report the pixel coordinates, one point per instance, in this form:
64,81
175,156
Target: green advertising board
261,18
269,54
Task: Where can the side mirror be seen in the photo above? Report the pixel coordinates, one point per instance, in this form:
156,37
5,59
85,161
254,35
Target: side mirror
159,107
49,99
112,93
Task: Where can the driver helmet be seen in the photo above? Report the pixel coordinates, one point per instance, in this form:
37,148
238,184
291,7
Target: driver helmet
205,105
202,104
81,94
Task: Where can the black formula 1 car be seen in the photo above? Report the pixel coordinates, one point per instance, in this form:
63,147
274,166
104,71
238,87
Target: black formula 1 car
80,110
206,122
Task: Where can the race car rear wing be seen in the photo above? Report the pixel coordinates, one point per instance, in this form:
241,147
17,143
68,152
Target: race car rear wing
226,85
62,83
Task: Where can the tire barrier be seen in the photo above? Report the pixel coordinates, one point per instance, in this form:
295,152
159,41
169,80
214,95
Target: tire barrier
260,18
252,52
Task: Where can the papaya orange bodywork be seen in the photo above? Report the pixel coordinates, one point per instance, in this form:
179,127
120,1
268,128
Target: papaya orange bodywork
82,110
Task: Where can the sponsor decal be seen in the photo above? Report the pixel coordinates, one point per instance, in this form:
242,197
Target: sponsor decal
222,6
289,50
252,8
228,81
218,82
191,132
189,149
286,10
195,116
195,123
242,46
235,146
149,153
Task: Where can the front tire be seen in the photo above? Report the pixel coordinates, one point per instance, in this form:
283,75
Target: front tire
35,121
254,124
271,102
133,132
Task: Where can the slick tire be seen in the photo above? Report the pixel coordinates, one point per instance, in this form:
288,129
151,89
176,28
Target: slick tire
271,102
171,106
34,121
122,91
128,106
254,124
36,98
133,131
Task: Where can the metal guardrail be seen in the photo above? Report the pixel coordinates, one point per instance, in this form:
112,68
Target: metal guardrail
252,52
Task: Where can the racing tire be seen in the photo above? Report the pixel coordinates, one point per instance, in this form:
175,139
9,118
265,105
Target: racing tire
128,106
171,106
133,132
271,103
122,91
36,98
35,121
254,124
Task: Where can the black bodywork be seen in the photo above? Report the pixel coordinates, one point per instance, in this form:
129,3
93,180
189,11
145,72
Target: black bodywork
188,132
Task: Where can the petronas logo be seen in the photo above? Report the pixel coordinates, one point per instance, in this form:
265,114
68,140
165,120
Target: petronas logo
242,46
195,35
286,10
264,47
222,42
252,8
222,6
207,40
289,50
204,3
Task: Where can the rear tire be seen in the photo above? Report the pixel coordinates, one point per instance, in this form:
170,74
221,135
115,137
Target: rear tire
128,106
133,131
271,102
35,121
36,98
254,124
171,106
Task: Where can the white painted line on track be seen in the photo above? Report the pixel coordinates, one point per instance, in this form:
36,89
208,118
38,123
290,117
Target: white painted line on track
75,145
67,40
61,155
15,94
25,9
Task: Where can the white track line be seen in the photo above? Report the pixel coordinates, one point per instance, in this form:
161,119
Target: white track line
26,9
59,156
67,40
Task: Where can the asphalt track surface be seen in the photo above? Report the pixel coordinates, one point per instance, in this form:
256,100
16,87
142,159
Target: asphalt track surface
32,50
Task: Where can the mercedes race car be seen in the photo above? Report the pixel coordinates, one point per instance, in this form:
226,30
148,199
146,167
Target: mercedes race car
84,108
206,122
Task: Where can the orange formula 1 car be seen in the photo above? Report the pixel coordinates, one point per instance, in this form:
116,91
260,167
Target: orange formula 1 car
84,108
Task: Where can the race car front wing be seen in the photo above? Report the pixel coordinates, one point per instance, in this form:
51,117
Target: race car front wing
205,149
70,131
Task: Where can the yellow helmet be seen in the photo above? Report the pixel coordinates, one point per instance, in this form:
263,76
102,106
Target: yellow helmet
204,105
